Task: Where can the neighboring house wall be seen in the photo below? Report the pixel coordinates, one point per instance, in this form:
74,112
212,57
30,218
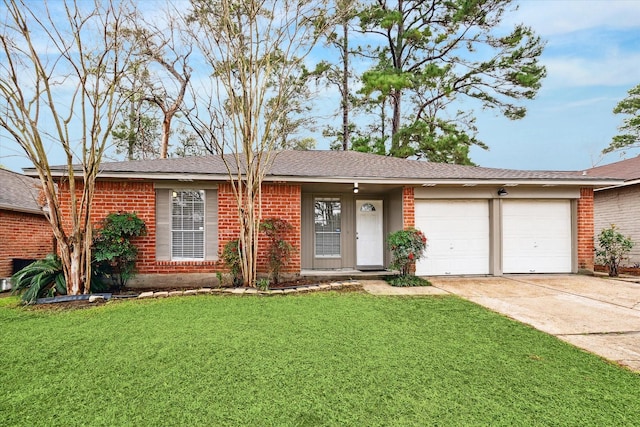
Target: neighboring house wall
620,206
23,236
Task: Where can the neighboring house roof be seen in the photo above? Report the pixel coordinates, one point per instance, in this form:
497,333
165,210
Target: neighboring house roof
19,192
627,170
337,166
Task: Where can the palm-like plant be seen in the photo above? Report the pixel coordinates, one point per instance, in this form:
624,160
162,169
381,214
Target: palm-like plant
43,278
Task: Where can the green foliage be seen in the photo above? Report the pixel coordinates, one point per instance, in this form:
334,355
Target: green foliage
406,281
231,258
279,250
262,284
613,249
431,55
40,279
113,251
630,138
407,247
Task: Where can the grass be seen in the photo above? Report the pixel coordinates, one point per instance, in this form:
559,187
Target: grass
336,359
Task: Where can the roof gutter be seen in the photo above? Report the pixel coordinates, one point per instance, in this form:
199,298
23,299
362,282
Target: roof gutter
188,177
620,184
21,209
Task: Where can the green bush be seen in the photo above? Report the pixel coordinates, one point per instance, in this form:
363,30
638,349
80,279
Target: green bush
407,247
114,254
406,281
40,279
279,250
613,249
231,258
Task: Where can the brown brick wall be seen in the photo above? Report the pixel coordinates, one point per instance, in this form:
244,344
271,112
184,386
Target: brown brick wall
278,200
23,236
282,201
585,229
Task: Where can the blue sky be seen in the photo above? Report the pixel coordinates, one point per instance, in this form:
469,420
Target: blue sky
592,57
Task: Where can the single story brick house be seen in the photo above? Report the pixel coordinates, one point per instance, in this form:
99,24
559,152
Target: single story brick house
25,233
619,204
478,221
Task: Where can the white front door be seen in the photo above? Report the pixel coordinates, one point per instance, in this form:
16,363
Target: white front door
369,233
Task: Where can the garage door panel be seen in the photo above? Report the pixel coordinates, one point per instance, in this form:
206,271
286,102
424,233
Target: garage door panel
536,236
458,236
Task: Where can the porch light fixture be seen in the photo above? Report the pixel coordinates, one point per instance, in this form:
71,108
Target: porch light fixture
502,192
355,188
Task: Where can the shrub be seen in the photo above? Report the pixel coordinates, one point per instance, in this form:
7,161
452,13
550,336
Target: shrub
40,279
406,281
613,249
279,250
263,284
231,258
407,247
113,252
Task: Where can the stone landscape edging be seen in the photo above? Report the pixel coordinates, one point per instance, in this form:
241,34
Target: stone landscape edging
251,291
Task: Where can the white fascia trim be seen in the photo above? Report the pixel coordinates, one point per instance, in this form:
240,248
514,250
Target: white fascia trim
349,180
622,185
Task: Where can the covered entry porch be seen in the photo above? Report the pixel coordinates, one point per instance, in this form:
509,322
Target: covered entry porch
344,227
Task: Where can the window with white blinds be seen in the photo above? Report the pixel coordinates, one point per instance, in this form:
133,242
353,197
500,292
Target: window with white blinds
187,224
327,213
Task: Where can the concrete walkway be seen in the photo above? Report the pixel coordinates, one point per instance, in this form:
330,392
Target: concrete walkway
599,315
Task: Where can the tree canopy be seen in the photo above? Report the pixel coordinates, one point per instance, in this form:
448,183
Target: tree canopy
428,56
630,128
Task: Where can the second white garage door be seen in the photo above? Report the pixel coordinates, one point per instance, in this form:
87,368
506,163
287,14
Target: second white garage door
457,236
536,236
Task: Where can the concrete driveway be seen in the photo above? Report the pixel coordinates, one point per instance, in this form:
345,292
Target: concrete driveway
599,315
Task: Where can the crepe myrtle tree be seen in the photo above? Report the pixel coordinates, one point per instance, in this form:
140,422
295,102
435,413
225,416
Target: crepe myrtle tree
255,52
61,65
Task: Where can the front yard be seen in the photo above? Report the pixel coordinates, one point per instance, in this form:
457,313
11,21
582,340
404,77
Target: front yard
313,359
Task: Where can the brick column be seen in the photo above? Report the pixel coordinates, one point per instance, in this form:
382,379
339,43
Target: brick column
585,230
408,208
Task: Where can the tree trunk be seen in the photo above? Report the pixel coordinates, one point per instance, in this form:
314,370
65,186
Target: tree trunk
345,88
166,128
395,120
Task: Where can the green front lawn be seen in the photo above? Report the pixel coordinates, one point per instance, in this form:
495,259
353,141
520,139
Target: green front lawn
318,359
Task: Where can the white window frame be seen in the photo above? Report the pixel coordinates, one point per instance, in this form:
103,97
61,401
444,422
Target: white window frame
203,228
316,232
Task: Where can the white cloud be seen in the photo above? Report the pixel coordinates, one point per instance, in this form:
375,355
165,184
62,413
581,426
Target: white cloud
553,17
611,70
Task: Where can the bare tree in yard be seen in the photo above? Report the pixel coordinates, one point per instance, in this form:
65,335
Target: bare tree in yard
62,63
162,44
256,51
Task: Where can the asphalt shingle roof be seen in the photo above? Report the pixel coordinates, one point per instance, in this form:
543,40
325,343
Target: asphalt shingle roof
627,170
18,192
335,164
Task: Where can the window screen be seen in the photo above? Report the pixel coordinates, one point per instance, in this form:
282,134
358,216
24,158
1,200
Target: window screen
187,224
327,227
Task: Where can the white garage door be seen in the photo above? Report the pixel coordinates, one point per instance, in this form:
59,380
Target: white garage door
536,236
457,236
